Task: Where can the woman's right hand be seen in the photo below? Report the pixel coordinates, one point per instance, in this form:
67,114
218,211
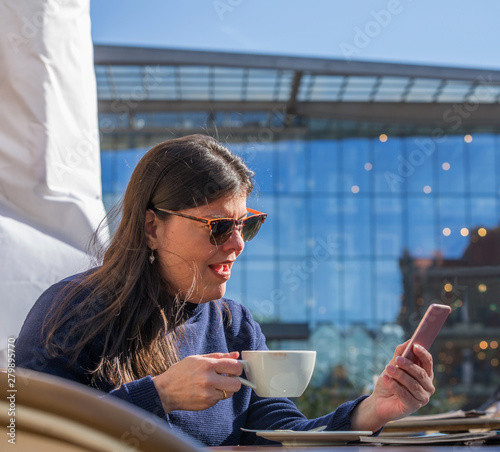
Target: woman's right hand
198,382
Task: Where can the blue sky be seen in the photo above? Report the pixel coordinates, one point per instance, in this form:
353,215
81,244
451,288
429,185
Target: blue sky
445,32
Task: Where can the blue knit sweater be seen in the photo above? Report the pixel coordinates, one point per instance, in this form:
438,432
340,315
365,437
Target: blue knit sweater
206,331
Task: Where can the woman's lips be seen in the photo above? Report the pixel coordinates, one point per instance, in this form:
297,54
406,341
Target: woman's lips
222,270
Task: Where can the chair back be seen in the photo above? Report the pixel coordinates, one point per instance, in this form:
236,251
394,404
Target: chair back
47,413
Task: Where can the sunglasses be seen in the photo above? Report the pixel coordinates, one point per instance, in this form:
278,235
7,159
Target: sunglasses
222,228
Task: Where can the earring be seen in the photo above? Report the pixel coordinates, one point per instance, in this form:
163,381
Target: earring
151,257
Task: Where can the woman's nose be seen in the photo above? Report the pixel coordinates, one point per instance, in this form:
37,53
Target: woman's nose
236,241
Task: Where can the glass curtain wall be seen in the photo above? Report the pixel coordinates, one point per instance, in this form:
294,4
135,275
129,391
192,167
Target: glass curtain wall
362,235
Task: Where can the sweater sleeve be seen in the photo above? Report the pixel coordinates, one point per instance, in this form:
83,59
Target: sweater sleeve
141,393
281,413
32,355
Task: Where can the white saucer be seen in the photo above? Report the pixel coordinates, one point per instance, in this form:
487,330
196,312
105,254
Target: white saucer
289,438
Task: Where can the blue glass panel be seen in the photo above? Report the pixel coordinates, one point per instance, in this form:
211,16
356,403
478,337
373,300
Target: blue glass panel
451,160
423,90
229,119
117,167
227,89
357,297
359,356
452,216
326,306
110,200
291,217
110,122
325,171
194,119
325,242
194,82
388,226
356,165
259,157
387,290
419,163
159,119
293,289
481,164
455,91
285,86
238,149
108,171
484,212
261,297
421,232
389,171
126,161
324,88
256,119
291,166
356,225
391,89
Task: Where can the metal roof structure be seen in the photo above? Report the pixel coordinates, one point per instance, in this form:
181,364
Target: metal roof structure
150,90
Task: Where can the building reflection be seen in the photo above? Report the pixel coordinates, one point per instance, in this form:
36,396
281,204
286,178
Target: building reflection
466,352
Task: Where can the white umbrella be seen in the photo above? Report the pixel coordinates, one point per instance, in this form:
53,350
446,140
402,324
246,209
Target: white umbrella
50,188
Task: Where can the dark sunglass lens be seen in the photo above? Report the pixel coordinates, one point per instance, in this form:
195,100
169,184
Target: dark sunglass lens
251,227
221,231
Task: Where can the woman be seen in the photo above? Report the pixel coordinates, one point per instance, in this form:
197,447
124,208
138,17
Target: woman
150,325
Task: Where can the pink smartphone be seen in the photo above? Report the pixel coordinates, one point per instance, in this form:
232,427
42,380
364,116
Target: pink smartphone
428,328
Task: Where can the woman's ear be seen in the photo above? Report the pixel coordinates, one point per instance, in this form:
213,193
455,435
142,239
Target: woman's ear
151,229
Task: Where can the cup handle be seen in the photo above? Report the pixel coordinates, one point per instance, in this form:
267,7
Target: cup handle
246,383
242,380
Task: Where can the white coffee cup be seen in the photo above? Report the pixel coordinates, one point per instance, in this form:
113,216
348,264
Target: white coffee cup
278,373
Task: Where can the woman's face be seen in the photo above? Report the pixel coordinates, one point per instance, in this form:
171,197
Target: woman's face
184,252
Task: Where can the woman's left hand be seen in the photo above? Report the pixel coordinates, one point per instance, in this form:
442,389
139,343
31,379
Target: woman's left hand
402,388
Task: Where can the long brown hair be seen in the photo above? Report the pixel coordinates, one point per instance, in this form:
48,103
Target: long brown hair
127,304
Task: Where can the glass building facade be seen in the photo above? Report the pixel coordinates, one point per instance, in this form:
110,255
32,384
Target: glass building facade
381,183
346,219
